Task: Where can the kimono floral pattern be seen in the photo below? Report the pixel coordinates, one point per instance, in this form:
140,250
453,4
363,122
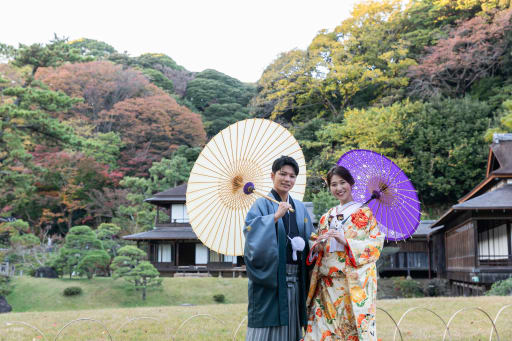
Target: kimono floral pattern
343,292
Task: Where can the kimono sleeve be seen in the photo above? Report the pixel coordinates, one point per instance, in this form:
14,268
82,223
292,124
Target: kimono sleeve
364,239
261,249
313,237
316,232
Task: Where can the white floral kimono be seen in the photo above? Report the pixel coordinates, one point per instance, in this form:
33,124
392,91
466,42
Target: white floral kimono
343,292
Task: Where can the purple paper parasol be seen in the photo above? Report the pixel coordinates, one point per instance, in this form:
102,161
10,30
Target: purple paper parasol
393,199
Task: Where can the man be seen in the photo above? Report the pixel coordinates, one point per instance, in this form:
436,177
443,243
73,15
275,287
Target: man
275,259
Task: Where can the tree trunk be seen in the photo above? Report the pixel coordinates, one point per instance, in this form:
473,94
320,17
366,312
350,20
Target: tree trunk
144,289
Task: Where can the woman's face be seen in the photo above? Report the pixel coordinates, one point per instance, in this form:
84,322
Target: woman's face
341,189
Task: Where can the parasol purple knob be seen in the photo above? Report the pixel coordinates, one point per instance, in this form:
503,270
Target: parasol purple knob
375,194
249,188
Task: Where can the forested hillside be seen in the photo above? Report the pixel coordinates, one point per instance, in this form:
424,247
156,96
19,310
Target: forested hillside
425,82
88,132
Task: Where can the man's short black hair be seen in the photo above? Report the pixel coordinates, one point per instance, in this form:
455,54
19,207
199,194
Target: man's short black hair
285,161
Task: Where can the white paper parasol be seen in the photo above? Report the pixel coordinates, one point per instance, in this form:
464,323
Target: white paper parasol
241,153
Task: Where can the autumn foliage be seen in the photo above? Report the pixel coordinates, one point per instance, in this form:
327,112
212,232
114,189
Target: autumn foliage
474,50
101,84
63,186
151,124
154,126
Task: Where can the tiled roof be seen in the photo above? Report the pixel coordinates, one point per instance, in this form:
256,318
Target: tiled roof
164,233
500,198
176,194
502,150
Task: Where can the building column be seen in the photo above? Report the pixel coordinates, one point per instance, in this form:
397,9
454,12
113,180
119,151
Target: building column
177,253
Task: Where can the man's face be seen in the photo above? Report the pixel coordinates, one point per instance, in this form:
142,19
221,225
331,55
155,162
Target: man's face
284,179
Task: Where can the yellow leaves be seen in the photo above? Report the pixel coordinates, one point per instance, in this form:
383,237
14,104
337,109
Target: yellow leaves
81,127
27,143
378,129
79,40
369,13
18,121
485,5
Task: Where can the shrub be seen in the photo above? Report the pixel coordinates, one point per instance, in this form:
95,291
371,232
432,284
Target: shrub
437,287
407,287
501,288
5,286
219,298
72,291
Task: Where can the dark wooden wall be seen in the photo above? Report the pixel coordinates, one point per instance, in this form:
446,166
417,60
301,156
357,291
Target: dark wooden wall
438,256
460,248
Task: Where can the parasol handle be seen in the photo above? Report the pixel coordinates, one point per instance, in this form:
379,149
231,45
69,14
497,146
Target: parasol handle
270,198
375,195
249,189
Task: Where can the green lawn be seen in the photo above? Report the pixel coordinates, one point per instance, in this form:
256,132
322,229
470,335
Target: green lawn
42,294
104,301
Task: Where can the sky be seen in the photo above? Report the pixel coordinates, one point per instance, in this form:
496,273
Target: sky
239,38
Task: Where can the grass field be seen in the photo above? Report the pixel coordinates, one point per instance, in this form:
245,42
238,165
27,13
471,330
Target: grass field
162,321
42,294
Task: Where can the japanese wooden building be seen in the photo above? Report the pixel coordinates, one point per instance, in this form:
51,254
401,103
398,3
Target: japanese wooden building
413,257
173,247
472,248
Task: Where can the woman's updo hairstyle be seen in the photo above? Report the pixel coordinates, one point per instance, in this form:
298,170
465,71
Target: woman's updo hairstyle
341,172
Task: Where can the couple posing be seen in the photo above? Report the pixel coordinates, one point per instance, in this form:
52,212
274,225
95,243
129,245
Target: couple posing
322,280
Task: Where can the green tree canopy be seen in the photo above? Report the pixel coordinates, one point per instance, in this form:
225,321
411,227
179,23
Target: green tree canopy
136,271
92,262
108,234
92,48
220,99
448,145
80,242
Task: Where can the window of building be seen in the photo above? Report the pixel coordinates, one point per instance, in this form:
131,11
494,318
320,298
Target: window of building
219,258
230,259
216,257
411,260
179,213
164,253
417,260
493,243
201,254
401,260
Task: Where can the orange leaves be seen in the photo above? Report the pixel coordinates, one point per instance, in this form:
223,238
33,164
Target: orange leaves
474,50
151,123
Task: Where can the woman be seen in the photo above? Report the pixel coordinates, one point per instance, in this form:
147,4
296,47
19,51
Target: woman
345,247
